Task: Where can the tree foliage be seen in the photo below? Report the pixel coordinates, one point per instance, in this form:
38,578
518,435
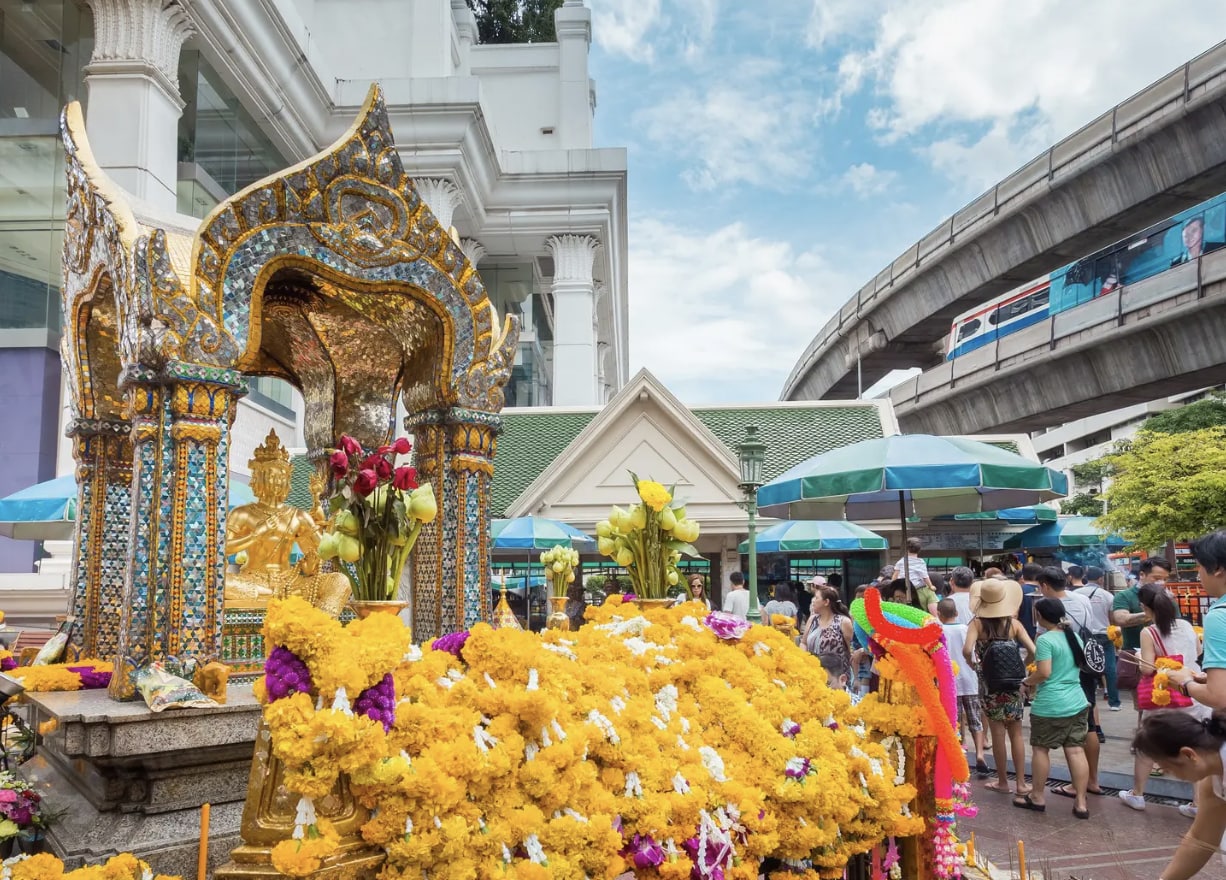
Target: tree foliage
1207,413
1082,504
1168,487
515,21
1091,474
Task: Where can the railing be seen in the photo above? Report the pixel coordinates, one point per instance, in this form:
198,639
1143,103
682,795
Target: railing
1198,79
1131,306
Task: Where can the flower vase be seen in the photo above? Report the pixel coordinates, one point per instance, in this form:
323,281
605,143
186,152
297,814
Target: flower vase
363,608
645,605
558,619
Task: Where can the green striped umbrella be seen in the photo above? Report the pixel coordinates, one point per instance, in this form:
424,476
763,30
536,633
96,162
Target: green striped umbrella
811,536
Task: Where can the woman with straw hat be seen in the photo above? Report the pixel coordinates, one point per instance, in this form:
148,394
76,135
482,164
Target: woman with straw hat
992,647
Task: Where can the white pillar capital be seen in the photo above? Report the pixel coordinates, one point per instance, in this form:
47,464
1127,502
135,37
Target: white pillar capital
473,249
141,32
441,196
573,257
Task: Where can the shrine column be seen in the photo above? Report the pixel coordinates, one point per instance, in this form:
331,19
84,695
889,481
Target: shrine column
133,76
103,452
454,452
441,196
177,540
574,343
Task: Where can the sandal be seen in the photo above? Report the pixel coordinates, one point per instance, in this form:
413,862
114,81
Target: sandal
982,769
996,786
1025,803
1066,790
1081,814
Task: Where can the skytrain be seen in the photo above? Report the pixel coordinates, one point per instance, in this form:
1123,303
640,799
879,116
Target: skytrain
1174,241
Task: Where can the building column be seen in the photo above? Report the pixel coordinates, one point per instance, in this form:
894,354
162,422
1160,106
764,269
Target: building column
573,22
134,104
574,343
466,33
441,196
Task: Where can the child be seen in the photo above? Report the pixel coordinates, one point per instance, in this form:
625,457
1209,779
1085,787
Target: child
862,657
969,710
836,678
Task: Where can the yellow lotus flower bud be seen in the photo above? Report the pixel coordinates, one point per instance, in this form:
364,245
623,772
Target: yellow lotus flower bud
378,498
619,519
327,546
668,520
570,577
545,557
349,549
624,557
605,546
679,512
241,557
673,578
574,557
558,567
638,517
604,528
422,504
347,522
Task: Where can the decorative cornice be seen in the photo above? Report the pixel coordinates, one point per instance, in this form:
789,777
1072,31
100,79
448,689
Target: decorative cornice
473,249
573,256
148,32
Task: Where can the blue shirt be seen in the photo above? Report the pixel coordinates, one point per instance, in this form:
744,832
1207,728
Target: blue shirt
1215,636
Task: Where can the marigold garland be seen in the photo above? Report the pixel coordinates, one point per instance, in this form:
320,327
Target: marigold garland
1162,681
640,743
1116,635
56,676
45,866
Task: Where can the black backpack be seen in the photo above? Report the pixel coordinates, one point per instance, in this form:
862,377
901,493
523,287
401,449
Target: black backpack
1002,667
1094,655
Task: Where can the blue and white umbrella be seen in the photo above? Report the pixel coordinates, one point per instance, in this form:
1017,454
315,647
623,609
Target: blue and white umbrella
537,533
815,536
46,511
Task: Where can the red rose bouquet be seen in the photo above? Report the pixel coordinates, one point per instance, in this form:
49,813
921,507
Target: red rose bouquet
377,511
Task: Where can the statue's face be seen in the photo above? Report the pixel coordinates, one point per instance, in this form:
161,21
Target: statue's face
271,484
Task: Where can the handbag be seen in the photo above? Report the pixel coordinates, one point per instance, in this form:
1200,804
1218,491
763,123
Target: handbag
1145,686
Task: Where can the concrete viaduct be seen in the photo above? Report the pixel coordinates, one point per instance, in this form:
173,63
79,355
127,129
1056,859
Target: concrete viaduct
1155,154
1148,340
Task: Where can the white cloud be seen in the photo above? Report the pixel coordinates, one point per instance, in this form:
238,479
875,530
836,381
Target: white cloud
734,134
622,26
723,315
1028,73
866,179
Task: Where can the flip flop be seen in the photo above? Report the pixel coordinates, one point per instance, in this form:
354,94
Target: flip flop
1081,814
996,786
1025,803
1064,791
981,768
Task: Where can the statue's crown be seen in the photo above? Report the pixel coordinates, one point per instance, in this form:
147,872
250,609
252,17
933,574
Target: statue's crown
272,451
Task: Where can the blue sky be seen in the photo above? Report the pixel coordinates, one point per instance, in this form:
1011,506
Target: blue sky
782,152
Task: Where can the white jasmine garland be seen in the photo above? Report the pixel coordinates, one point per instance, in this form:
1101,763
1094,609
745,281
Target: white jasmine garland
533,680
413,655
455,675
438,823
658,722
530,750
506,854
631,627
682,744
536,852
546,739
490,681
692,623
445,682
666,701
604,725
557,730
618,705
304,817
713,763
577,816
561,650
483,739
782,684
685,724
680,785
634,786
760,648
408,827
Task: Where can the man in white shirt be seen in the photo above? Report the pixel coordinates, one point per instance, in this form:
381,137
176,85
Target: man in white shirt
1052,584
1101,601
737,600
960,580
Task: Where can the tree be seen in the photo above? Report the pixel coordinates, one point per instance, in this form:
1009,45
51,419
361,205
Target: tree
1209,412
515,21
1082,504
1168,487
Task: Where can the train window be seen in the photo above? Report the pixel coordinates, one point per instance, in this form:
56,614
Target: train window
968,329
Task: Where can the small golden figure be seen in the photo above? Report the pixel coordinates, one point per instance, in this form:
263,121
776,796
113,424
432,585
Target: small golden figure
266,532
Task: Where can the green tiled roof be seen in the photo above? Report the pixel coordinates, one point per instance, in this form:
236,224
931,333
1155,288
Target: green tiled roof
528,444
530,441
793,433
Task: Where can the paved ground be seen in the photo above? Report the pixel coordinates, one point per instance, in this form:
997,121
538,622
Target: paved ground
1117,843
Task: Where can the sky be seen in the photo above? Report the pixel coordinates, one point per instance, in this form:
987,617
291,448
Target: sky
783,152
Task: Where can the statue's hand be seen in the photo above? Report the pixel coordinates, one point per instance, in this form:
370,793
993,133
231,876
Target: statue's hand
309,564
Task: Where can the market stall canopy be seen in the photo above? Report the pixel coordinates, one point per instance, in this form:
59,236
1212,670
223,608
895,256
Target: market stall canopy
1039,513
537,533
1067,531
46,511
909,474
805,536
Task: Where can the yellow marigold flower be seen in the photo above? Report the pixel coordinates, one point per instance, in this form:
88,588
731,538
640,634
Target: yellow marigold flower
43,866
55,677
48,726
654,494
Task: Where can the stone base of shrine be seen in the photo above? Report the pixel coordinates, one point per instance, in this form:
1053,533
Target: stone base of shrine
130,780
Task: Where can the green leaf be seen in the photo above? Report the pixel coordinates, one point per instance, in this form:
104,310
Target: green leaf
684,549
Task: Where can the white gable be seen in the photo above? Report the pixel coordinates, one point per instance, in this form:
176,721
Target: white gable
644,430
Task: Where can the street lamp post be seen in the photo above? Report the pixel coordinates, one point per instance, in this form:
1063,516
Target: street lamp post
750,453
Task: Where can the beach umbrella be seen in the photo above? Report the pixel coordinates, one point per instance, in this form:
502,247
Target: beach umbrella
537,533
1067,531
46,511
811,536
909,475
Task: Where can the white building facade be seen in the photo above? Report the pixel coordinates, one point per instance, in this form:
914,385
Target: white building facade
188,101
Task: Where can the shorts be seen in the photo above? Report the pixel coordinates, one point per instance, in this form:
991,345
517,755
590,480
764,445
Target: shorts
970,713
1056,733
1003,708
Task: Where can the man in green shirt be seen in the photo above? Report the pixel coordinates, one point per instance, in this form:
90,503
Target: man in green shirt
1126,611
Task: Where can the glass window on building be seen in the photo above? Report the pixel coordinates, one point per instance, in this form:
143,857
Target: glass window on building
44,47
272,393
221,148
